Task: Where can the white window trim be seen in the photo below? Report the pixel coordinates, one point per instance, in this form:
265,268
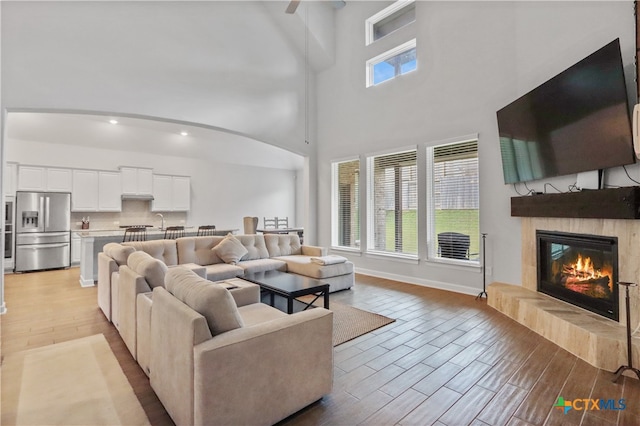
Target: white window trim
384,56
369,160
388,11
431,257
334,202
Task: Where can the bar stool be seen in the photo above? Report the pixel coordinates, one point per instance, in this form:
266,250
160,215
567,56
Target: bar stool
136,233
173,232
206,230
270,222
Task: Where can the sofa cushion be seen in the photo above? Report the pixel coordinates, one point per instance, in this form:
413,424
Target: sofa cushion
302,265
255,245
262,265
118,252
230,250
164,250
282,245
198,250
209,299
153,270
223,271
257,313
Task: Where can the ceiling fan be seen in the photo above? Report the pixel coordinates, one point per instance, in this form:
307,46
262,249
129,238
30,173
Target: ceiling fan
293,5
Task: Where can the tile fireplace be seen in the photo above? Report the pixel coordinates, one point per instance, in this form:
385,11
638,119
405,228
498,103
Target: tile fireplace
580,269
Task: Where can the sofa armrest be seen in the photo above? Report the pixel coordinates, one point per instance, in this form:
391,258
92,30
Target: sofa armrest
106,267
313,251
243,292
280,366
130,284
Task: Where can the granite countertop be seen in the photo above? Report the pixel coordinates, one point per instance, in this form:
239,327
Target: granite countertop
114,232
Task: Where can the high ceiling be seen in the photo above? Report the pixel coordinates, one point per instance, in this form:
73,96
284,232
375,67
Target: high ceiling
135,134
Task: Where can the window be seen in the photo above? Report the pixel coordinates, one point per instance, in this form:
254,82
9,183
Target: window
454,201
390,19
391,64
392,203
346,211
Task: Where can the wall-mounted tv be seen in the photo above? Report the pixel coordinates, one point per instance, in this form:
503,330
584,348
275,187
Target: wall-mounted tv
577,121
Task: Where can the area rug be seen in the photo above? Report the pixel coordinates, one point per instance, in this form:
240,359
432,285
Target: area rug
350,322
78,382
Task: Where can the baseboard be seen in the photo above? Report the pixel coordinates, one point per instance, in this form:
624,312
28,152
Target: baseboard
456,288
86,283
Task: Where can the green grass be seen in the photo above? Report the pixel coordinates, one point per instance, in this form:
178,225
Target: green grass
463,221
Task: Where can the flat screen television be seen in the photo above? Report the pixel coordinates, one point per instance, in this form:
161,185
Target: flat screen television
578,121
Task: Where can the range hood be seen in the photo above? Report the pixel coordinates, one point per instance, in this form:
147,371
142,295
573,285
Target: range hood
143,197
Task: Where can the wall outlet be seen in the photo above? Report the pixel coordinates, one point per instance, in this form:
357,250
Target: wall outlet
116,222
182,221
488,270
78,223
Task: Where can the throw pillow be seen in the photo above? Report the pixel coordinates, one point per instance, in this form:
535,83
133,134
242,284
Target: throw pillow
209,299
230,250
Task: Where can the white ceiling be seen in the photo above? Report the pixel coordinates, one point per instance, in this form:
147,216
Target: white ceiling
135,134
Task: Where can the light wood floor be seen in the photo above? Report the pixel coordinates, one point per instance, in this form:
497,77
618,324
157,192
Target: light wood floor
447,360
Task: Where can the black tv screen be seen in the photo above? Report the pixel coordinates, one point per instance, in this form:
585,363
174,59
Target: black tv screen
577,121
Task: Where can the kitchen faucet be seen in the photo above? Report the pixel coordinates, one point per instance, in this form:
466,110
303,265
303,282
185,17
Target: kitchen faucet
162,217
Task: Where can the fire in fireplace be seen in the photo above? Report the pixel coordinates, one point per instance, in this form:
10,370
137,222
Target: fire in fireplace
580,269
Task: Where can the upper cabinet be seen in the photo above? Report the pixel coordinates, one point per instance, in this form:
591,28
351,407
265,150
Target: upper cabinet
9,179
96,191
109,192
136,181
36,178
84,197
171,193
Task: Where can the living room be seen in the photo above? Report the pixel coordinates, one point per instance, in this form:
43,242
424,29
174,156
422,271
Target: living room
161,60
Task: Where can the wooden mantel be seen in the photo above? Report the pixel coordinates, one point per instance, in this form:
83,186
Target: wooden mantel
611,203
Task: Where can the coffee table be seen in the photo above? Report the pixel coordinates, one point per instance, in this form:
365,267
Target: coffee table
290,286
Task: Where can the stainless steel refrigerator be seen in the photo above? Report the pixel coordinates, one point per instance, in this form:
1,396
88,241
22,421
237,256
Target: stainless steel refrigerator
43,231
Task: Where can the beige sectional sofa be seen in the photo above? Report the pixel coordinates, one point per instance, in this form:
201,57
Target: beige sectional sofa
214,360
264,252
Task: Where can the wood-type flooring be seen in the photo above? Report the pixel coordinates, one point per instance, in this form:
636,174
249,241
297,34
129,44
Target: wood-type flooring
447,360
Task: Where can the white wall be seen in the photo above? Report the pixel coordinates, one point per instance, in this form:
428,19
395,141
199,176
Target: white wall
221,194
473,59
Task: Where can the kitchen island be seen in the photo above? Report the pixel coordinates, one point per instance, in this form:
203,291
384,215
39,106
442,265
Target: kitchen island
92,241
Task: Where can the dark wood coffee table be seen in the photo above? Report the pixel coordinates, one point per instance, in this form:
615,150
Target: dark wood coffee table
290,286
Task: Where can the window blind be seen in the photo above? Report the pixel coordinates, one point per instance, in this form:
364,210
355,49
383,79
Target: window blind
392,210
454,213
347,212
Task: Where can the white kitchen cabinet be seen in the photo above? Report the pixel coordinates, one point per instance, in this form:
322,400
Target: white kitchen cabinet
84,197
9,179
109,192
162,193
136,181
31,178
37,178
171,193
58,180
181,194
75,248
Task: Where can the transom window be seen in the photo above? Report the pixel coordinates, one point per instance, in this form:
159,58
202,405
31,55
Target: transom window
392,63
390,19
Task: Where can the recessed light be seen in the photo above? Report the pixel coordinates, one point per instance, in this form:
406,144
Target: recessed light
184,133
113,121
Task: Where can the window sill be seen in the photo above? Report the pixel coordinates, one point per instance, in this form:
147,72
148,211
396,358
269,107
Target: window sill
393,256
348,250
462,264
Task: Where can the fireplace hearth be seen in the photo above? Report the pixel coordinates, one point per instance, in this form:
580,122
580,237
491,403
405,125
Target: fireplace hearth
579,269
